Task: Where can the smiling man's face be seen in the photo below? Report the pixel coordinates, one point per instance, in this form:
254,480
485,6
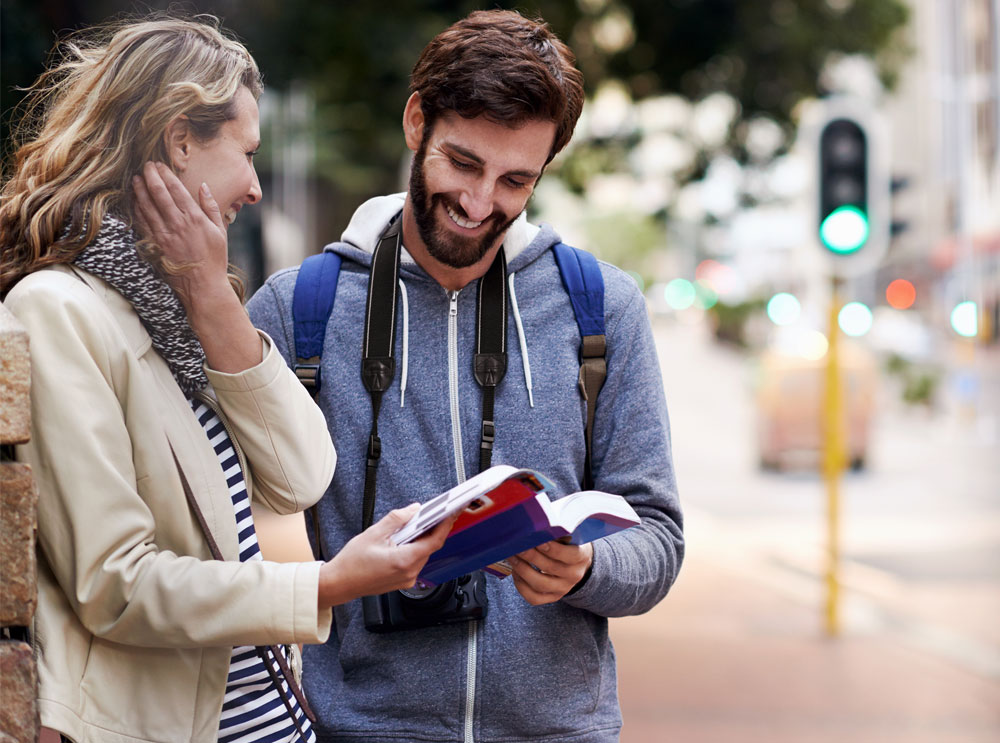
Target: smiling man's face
471,178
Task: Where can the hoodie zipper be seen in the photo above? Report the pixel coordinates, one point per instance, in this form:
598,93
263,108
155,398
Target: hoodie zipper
456,434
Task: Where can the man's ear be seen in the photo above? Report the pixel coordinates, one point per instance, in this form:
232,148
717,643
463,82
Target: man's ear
413,122
177,142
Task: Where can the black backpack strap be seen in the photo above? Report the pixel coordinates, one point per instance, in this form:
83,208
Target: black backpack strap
490,361
378,367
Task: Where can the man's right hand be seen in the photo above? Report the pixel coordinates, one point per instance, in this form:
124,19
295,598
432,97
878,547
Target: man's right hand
371,563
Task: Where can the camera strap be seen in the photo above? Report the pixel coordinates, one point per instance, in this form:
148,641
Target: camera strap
378,366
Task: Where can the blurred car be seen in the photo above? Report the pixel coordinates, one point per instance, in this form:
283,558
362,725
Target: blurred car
790,398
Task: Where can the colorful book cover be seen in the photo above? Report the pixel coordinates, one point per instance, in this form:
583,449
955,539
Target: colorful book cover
505,511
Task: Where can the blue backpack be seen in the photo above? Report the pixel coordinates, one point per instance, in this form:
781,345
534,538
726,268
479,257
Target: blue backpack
316,289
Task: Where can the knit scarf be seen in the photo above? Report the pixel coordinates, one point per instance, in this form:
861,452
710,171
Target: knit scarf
112,256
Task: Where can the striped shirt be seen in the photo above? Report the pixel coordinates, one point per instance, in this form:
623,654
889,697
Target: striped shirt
253,709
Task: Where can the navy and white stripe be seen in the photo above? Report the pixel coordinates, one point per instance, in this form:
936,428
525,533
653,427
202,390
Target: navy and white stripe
253,709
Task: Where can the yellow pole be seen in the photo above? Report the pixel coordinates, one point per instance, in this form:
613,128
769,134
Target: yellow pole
833,461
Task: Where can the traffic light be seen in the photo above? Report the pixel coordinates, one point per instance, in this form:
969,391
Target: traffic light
852,183
843,186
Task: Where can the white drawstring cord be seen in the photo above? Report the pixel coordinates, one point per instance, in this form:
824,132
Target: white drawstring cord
406,341
521,339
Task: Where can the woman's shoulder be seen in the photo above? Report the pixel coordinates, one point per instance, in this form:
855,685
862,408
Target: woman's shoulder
66,295
60,282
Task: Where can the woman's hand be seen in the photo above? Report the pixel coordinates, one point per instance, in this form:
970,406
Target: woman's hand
188,233
194,235
370,563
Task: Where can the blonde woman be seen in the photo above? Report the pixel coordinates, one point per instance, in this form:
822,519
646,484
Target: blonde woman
157,410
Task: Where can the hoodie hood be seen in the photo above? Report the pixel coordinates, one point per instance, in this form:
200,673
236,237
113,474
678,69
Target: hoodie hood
523,243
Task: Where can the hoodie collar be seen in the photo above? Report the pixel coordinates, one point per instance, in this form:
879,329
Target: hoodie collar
523,243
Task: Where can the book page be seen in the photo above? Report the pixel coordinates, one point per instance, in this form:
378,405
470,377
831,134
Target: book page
591,514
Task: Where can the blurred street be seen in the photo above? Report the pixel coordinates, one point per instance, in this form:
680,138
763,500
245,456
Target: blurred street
738,651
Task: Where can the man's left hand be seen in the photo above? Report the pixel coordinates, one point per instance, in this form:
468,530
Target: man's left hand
548,572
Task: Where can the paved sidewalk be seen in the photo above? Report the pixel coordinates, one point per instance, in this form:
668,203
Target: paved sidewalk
728,658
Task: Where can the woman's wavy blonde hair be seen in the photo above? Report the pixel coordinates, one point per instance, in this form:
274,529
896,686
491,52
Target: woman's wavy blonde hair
92,120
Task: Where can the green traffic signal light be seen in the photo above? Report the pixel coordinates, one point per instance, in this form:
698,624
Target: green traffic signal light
844,230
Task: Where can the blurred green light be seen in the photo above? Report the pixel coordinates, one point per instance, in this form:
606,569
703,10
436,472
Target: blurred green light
679,293
783,308
638,280
855,319
705,295
965,319
844,230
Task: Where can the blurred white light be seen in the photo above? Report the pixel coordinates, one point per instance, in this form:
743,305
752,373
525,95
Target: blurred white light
813,345
783,309
965,320
679,293
610,110
855,319
712,118
764,137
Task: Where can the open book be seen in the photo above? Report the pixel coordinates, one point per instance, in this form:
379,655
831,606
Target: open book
504,511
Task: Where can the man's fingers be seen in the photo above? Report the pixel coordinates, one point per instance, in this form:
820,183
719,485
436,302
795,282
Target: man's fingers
540,560
535,587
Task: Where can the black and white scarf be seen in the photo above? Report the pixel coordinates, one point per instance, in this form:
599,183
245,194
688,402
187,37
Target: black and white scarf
112,256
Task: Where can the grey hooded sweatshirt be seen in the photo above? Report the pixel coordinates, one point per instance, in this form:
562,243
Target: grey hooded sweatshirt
524,673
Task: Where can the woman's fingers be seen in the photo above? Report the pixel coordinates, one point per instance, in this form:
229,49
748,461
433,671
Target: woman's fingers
176,195
160,197
152,220
210,207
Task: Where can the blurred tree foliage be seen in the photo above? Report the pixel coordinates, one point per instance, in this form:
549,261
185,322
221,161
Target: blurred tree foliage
355,57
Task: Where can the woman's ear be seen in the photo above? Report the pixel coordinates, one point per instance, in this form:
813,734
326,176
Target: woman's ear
413,122
177,143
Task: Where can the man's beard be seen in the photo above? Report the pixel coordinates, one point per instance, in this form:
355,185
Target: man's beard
443,244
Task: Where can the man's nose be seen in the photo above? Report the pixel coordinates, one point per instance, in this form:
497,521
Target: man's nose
477,201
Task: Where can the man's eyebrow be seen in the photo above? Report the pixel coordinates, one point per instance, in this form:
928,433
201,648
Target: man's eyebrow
469,155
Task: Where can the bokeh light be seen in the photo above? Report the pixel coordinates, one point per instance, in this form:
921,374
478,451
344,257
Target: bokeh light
855,319
813,345
637,277
783,308
679,293
900,294
965,319
705,295
720,278
845,230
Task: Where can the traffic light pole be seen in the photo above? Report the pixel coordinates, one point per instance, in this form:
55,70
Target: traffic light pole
834,445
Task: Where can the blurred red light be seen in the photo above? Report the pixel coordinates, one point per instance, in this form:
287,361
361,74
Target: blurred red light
900,294
706,269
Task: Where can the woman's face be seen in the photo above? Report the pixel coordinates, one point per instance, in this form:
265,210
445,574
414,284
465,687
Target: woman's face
225,163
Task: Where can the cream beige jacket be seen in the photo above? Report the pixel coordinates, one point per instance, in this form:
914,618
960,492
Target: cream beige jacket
135,622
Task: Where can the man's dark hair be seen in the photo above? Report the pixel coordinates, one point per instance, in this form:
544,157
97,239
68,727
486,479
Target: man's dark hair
501,65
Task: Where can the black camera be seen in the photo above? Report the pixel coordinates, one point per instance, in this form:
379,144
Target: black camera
457,600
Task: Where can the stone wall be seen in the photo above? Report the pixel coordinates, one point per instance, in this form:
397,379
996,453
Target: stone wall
18,594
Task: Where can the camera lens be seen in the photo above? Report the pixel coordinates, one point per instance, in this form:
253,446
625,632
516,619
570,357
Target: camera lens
418,591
